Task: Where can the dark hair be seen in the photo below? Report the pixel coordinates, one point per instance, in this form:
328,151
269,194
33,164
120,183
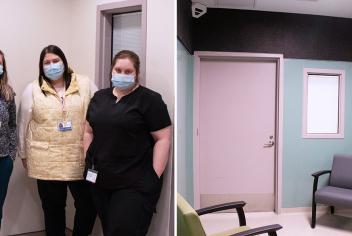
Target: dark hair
130,55
5,89
57,51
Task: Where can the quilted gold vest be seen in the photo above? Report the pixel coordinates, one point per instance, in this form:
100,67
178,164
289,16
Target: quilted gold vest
53,154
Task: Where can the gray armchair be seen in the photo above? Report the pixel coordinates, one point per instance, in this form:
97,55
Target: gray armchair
339,190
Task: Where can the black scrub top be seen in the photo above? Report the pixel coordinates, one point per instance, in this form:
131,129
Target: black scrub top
122,146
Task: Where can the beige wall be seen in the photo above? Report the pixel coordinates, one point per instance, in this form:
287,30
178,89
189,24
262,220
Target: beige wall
83,36
71,24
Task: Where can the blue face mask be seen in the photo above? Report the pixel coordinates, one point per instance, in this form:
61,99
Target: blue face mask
54,71
1,69
123,81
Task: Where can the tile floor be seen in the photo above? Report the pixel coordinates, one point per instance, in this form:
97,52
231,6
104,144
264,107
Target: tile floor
68,233
294,224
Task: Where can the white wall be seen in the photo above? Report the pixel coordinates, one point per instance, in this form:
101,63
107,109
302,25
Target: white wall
30,25
83,35
160,76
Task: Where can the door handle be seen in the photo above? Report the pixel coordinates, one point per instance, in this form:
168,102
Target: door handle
269,144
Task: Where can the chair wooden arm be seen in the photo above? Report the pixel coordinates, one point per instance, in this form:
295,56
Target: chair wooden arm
319,173
269,229
316,176
225,206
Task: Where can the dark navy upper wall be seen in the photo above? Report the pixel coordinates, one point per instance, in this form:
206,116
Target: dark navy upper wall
294,35
184,24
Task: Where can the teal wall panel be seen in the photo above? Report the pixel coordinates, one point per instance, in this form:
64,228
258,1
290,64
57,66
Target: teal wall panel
184,123
302,157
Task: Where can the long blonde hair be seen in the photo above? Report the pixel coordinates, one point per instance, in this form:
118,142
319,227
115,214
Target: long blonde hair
5,89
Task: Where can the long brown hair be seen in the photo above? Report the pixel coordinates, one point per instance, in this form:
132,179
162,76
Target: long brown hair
5,89
57,51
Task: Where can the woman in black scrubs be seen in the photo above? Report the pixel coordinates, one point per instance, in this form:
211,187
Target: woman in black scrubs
127,138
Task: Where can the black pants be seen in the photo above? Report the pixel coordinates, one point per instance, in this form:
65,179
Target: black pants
53,196
128,211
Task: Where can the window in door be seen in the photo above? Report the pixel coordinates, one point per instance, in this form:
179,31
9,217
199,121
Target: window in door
127,32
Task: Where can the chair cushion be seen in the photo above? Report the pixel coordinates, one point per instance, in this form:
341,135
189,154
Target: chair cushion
341,174
232,231
188,222
334,196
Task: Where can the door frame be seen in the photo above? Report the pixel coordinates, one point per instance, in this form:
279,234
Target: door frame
104,18
279,97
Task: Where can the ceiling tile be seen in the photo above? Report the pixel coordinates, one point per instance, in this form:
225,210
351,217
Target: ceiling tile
236,3
208,3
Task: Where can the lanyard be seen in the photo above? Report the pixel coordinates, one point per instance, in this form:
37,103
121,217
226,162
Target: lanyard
63,108
61,98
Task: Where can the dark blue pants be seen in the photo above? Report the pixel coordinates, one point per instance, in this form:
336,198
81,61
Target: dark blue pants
6,166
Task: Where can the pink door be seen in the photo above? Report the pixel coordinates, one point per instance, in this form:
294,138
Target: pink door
237,133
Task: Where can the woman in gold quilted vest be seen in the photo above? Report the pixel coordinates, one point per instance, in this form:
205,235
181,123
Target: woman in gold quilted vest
51,118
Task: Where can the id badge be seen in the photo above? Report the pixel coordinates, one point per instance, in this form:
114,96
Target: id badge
64,126
91,175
